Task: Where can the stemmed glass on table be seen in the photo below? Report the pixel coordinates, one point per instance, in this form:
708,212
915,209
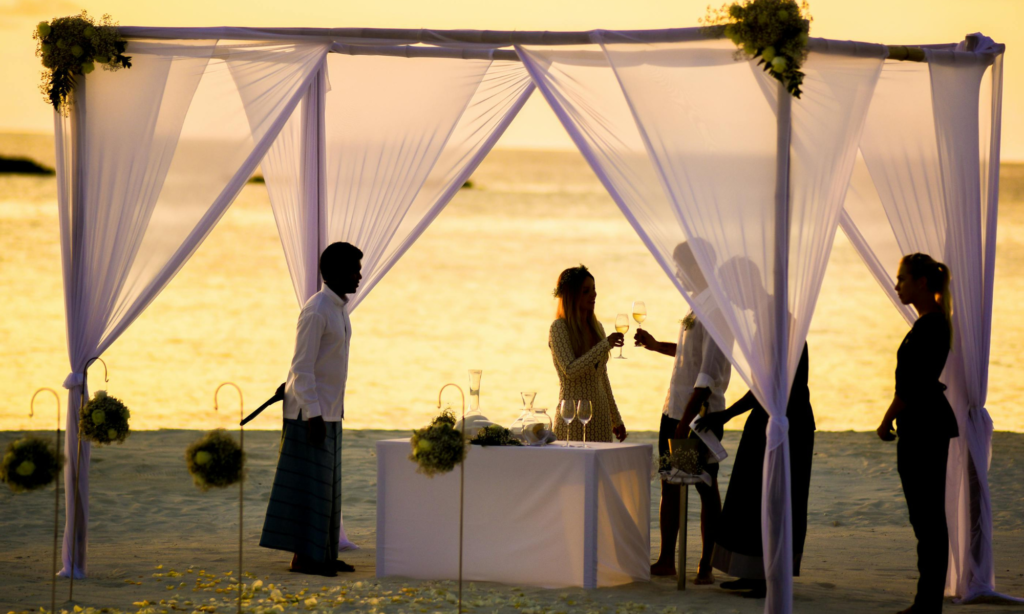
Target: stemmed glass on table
567,412
584,412
621,326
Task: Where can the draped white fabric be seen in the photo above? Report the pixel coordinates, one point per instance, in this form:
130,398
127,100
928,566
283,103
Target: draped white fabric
754,182
377,168
692,144
931,147
394,155
132,208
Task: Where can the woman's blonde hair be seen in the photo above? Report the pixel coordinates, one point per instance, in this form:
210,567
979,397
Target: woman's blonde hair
936,276
582,334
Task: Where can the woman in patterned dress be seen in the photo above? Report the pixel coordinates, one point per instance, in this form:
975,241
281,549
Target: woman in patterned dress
580,350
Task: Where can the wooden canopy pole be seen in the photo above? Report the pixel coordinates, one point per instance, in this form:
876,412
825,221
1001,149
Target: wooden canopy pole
478,44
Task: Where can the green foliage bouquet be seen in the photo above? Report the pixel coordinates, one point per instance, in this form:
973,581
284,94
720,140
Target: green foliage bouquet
104,420
776,31
73,46
684,465
438,448
29,463
215,461
495,435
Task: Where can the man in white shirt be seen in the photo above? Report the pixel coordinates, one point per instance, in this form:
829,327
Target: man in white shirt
304,513
700,377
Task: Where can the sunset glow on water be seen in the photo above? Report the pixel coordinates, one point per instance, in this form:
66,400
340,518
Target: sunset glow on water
473,292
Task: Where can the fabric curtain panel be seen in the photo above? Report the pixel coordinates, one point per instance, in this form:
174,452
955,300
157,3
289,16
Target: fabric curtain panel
377,168
393,155
141,182
753,181
931,152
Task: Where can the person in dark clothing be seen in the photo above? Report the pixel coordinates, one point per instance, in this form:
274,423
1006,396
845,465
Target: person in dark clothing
738,548
925,421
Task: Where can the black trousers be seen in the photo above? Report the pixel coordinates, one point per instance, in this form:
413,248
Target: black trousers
922,466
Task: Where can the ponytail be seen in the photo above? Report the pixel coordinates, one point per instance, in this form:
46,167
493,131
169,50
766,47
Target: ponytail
937,277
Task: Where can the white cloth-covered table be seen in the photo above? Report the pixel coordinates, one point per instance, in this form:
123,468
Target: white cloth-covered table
547,516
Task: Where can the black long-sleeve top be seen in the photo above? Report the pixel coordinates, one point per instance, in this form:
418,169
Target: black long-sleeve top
919,363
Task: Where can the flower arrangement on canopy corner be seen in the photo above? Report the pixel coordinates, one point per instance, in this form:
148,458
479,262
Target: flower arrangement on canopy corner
776,31
29,463
104,419
215,461
72,46
438,448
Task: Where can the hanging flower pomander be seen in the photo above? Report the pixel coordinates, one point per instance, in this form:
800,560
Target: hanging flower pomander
215,461
776,31
29,463
104,419
71,46
438,448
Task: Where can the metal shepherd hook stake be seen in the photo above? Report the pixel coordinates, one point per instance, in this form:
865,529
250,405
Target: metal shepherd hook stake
462,479
77,467
241,482
56,493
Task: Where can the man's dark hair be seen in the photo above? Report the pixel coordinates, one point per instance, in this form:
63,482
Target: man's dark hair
339,257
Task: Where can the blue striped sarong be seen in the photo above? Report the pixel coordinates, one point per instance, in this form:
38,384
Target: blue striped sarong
304,513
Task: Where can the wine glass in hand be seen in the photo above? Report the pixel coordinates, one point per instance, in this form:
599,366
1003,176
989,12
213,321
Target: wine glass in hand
621,326
639,312
584,412
567,412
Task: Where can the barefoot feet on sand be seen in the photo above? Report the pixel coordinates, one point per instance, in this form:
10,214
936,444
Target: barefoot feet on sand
704,575
663,569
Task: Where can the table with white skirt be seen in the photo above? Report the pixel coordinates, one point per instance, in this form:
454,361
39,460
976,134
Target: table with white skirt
547,516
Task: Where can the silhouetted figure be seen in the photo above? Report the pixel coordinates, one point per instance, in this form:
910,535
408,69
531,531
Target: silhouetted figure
304,513
579,350
925,421
700,377
738,548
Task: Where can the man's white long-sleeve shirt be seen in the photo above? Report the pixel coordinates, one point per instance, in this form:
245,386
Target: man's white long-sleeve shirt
699,363
316,379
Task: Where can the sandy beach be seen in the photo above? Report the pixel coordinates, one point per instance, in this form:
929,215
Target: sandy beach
157,544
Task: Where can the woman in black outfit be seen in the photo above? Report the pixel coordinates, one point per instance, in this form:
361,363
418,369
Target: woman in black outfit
926,421
738,550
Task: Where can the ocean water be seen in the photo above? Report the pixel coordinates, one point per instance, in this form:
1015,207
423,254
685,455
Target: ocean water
473,292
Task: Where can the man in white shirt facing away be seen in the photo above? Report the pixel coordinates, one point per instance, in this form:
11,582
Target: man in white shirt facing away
304,513
700,377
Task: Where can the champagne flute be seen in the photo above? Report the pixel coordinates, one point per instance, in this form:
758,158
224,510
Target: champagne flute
621,326
567,412
639,312
584,412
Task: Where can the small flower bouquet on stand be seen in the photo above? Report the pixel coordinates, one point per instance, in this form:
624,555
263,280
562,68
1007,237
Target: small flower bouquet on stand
215,461
29,463
104,420
439,447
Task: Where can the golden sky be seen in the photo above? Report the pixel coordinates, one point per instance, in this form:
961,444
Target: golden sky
881,21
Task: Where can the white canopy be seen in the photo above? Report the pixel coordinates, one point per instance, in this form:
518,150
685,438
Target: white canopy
364,135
